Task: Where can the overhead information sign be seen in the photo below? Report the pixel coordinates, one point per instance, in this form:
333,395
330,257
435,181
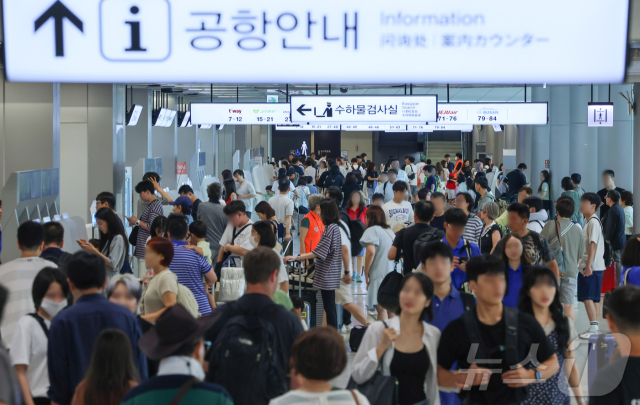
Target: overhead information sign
493,113
367,109
372,127
312,127
600,115
240,113
184,41
440,127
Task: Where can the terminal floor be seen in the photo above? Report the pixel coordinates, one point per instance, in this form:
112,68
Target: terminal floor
581,324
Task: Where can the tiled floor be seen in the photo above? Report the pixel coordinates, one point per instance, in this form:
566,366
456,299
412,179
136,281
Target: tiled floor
581,324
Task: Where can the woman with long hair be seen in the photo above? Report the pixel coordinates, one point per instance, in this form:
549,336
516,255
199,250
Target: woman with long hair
266,213
328,259
112,371
357,211
377,241
540,297
371,177
350,186
114,244
544,190
230,191
405,346
517,263
441,176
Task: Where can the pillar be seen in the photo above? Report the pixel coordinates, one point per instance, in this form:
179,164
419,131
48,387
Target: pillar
636,161
498,146
523,145
583,140
539,140
615,144
490,140
119,146
559,148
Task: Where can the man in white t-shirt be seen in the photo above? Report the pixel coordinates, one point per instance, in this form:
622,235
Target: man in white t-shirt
283,206
237,235
412,175
18,275
592,265
421,165
398,211
344,295
246,192
402,175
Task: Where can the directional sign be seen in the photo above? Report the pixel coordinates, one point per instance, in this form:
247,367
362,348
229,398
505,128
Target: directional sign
412,41
240,113
493,113
366,109
600,115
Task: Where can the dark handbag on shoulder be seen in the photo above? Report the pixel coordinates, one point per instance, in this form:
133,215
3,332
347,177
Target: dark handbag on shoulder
355,337
133,236
389,291
126,267
380,389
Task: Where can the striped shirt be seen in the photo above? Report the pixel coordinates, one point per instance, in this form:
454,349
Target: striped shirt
329,262
150,213
473,229
190,267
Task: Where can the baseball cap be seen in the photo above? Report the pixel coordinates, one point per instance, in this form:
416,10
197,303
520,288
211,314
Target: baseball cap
183,201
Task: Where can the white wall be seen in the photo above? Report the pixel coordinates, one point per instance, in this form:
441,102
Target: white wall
357,142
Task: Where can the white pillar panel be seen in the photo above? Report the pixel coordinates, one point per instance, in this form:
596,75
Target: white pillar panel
539,140
583,140
559,149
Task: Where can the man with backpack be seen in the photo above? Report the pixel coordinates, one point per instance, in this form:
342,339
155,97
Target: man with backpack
411,241
357,169
482,189
448,303
386,188
536,246
253,327
332,177
412,175
505,336
538,215
455,221
53,243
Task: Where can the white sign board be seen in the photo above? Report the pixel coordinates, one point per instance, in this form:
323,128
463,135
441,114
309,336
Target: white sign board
441,127
184,41
493,113
312,127
600,114
366,109
240,113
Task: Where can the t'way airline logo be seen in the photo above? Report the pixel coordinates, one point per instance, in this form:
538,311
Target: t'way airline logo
447,112
235,111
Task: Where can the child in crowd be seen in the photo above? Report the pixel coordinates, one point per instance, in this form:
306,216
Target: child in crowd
298,307
268,193
197,243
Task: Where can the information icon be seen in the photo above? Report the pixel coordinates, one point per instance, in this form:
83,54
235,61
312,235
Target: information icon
135,30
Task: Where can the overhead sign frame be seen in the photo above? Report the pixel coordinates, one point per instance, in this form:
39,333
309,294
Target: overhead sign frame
240,113
493,113
389,109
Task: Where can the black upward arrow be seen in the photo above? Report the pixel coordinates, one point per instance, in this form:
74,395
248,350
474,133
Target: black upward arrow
59,12
300,109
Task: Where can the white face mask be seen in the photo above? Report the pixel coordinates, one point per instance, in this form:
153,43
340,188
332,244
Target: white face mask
253,242
51,307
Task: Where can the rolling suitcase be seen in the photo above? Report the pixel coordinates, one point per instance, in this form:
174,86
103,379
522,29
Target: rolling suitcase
601,348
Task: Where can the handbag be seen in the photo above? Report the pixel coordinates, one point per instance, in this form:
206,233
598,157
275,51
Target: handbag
133,236
126,267
560,254
379,389
389,291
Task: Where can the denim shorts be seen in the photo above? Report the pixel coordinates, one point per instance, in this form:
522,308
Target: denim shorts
590,288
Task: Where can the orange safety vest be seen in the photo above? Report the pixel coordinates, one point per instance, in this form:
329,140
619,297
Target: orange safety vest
316,229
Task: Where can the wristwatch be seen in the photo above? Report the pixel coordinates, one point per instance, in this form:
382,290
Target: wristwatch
137,223
538,375
298,258
583,400
346,272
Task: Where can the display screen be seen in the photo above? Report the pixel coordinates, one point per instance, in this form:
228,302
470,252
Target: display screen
492,113
372,41
240,113
134,115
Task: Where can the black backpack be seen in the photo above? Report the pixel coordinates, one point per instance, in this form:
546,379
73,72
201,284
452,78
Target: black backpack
244,363
358,174
423,240
356,230
510,347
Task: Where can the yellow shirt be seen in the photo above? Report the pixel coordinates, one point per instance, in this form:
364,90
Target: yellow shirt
206,250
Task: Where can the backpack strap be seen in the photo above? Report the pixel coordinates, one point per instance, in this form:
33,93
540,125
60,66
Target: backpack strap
473,331
467,247
511,344
468,300
236,234
44,326
355,397
384,188
186,387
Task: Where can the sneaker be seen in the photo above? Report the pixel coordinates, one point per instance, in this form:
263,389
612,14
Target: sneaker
343,330
349,327
591,331
358,279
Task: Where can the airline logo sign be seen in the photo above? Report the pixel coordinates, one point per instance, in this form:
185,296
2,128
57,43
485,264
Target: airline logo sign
148,41
492,113
240,113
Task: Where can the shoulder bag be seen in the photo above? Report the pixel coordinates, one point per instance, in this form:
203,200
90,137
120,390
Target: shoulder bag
559,253
380,389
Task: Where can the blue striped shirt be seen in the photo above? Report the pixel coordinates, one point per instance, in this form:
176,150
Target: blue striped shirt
190,267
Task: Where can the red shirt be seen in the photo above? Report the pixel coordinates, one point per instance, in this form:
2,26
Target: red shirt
353,212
